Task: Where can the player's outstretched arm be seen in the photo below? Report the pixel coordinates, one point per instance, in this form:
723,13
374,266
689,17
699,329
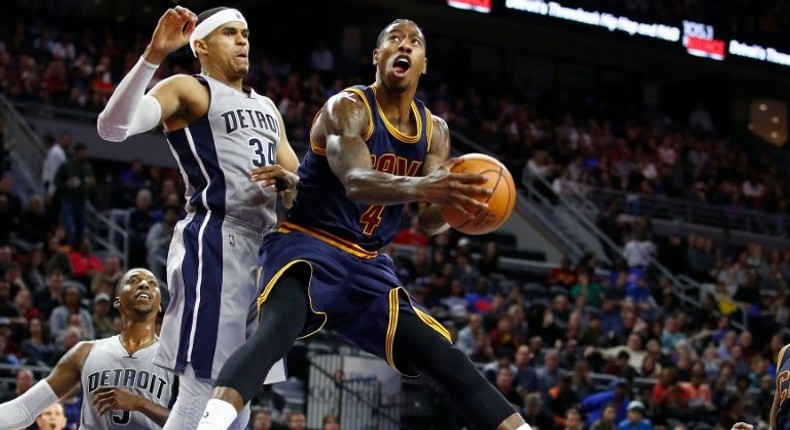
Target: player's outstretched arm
130,111
64,378
108,399
342,124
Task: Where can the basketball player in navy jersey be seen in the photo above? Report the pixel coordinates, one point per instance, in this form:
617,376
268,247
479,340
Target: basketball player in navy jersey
373,148
219,132
121,387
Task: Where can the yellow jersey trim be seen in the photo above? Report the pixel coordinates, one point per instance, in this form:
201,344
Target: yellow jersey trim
326,237
392,326
369,132
428,128
317,149
781,355
269,285
394,130
394,308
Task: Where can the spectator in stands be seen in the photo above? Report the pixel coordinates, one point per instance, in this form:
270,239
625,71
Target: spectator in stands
488,264
261,419
563,275
56,255
639,250
672,333
297,420
106,280
141,219
55,157
535,413
102,321
330,422
636,418
23,380
592,291
23,302
132,181
617,396
37,347
84,264
573,420
700,395
549,374
74,180
526,377
607,419
34,225
467,336
53,418
505,384
59,321
7,308
669,399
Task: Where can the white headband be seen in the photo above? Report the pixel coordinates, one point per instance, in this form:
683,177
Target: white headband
211,23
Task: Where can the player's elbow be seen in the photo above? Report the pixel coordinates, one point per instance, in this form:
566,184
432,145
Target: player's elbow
109,131
354,185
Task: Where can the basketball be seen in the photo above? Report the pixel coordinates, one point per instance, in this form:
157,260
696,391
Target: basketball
500,203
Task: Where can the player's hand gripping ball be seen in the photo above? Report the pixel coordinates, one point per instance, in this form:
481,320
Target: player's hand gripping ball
500,203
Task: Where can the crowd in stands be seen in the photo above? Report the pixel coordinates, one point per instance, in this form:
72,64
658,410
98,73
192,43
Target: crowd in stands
539,339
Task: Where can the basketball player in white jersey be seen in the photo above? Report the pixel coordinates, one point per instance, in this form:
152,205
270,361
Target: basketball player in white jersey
121,386
219,131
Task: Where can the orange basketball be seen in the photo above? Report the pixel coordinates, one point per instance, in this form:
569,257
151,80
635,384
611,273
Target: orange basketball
500,203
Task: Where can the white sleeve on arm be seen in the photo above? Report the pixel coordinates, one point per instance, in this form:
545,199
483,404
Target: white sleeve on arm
22,411
130,111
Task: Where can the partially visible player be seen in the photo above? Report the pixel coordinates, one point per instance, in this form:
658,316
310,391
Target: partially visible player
219,131
372,149
121,387
780,409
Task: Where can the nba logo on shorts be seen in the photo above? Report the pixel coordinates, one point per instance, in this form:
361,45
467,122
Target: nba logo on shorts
232,240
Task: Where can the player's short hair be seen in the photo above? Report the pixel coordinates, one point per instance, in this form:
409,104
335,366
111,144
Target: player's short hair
383,32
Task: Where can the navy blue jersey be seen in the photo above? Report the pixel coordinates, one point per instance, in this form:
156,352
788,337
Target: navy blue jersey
783,385
321,201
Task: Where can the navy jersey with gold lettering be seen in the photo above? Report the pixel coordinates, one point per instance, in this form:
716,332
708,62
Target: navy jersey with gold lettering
783,385
321,201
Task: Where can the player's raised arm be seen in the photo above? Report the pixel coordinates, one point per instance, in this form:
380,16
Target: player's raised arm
342,124
130,111
64,378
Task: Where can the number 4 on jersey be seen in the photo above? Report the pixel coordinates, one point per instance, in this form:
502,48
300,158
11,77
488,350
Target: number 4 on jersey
371,219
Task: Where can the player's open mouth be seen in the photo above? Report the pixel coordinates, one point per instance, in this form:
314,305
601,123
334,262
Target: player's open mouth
143,295
401,64
242,55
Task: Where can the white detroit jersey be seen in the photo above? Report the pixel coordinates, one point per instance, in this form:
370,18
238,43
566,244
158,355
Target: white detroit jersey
217,152
214,250
109,365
